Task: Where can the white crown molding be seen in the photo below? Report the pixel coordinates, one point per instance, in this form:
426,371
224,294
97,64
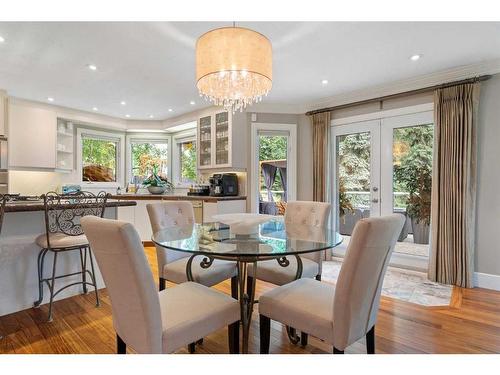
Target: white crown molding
443,76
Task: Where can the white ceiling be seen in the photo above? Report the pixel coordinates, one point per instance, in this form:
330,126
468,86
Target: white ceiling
151,65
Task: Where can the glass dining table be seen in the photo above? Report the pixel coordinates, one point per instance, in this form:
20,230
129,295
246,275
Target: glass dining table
246,244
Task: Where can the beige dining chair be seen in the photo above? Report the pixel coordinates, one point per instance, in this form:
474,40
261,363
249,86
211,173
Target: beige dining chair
144,319
342,314
310,214
171,263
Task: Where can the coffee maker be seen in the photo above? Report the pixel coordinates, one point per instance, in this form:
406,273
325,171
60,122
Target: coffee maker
224,184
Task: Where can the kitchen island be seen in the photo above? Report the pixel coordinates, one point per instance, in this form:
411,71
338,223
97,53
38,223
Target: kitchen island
23,222
204,208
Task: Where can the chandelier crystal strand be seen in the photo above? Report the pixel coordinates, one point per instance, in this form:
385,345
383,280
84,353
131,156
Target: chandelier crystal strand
233,67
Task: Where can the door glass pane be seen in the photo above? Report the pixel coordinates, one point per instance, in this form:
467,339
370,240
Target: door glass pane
272,174
412,181
221,138
354,180
205,140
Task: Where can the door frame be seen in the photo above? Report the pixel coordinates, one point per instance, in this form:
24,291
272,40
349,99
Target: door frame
291,129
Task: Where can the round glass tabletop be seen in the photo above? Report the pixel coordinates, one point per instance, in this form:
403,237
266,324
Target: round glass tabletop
270,239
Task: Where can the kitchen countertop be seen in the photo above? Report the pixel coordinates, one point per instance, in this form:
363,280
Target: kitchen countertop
22,206
175,197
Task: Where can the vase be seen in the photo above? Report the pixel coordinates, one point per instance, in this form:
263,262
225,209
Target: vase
157,189
420,232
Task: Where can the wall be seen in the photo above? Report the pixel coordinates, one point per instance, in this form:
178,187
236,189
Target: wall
488,184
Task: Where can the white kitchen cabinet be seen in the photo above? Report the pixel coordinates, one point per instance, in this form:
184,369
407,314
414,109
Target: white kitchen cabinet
32,136
215,140
3,115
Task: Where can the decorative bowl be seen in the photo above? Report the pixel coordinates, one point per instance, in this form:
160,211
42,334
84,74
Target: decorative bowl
157,189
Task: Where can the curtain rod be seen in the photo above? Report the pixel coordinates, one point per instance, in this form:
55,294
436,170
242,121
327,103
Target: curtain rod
401,94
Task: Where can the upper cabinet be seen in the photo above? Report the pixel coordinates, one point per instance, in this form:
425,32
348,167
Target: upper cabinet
3,115
216,148
32,136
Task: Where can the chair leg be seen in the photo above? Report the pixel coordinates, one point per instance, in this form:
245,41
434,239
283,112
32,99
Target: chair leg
97,303
249,285
41,258
121,347
53,281
192,348
336,351
370,341
234,287
265,333
303,339
83,264
162,283
234,337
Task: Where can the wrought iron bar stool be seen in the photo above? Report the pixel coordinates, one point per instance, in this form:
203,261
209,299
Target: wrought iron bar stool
63,233
3,200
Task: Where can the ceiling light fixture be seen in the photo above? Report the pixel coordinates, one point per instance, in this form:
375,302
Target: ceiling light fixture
415,57
50,99
95,109
123,103
233,67
151,116
324,82
2,39
92,67
170,109
127,116
192,102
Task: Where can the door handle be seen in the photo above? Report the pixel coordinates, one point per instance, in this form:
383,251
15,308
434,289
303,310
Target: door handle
375,200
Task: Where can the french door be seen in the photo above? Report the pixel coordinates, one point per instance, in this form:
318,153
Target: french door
370,166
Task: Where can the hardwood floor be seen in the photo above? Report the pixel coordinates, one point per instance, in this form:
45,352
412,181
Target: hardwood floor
470,325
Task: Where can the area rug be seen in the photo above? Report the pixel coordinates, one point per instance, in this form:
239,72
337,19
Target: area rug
405,285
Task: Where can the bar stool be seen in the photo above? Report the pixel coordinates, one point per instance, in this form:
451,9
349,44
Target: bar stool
63,233
3,200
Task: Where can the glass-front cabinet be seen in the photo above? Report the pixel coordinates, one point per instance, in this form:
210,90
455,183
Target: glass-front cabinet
205,142
214,137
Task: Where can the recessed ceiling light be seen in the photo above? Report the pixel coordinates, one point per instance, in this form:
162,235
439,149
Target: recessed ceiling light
123,103
192,102
50,99
92,67
170,109
415,57
127,116
2,39
324,82
95,109
151,116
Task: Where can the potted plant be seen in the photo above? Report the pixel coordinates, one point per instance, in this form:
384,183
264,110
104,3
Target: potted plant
415,173
157,184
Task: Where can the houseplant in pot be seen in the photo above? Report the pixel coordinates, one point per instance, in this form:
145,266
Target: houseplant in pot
157,184
415,174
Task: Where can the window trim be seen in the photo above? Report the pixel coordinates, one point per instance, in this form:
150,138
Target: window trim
147,138
178,138
120,138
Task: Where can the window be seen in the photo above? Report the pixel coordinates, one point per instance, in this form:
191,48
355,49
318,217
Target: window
99,157
187,161
146,156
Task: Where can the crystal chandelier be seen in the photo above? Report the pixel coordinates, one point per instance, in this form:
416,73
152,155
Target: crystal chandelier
233,67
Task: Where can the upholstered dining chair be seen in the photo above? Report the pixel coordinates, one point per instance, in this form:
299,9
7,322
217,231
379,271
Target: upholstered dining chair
310,214
171,263
341,314
144,319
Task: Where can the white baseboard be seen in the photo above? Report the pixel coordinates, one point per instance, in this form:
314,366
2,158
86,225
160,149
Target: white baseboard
487,281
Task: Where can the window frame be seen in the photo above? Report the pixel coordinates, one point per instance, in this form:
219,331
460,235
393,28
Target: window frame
100,135
178,138
147,138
